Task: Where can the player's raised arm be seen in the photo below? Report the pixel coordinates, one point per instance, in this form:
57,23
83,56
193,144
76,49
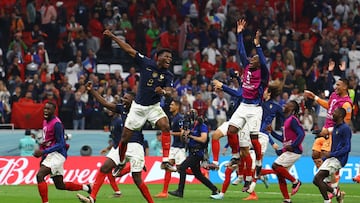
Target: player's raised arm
123,45
259,49
242,52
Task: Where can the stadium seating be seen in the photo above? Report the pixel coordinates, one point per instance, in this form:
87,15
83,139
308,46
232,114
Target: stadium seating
102,68
116,67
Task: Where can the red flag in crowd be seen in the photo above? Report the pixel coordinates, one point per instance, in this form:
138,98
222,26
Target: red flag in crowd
27,115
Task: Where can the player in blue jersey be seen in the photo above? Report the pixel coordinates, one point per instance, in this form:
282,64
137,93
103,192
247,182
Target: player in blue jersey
155,81
292,137
177,151
336,158
53,153
134,152
255,81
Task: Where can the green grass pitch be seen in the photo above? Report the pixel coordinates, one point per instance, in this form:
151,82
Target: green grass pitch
193,193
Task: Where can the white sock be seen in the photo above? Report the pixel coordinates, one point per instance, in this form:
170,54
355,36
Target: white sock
327,201
258,162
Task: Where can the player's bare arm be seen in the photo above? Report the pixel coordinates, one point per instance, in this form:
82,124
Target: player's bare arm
123,45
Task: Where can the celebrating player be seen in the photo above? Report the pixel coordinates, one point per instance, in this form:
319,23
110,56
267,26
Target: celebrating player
134,152
292,138
336,158
53,151
155,81
255,80
177,150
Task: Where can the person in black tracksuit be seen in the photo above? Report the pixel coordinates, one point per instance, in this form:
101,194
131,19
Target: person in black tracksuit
196,138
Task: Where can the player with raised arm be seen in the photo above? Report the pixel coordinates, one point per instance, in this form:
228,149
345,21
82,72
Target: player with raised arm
134,152
155,81
53,153
255,81
336,158
292,138
338,98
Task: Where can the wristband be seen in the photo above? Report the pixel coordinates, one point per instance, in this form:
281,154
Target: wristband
316,98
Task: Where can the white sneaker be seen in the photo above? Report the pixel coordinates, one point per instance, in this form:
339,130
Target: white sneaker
218,196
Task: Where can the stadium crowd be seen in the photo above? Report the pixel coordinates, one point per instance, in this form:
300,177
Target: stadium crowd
202,36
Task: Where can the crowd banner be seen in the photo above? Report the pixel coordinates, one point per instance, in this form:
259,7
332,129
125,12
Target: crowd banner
27,115
15,170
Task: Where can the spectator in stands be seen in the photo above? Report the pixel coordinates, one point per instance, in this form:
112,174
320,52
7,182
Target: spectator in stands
82,13
221,106
190,66
200,105
95,26
78,112
92,42
89,63
307,120
155,145
132,78
27,98
27,144
48,14
57,77
67,106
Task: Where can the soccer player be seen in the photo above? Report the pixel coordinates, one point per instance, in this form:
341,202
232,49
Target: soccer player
177,150
53,153
339,98
134,152
155,81
255,81
292,138
336,158
197,136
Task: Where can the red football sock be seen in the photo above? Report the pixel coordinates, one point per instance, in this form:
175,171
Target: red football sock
215,146
257,147
267,171
283,187
233,141
241,167
122,151
43,191
99,180
189,171
165,142
248,163
226,183
145,192
167,179
125,170
282,171
112,181
72,186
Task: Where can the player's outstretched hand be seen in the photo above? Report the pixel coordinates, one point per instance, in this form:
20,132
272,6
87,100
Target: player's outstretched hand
37,153
241,25
217,84
309,94
108,33
89,85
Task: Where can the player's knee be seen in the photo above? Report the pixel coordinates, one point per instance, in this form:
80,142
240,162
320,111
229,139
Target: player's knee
59,186
137,178
232,129
217,135
105,169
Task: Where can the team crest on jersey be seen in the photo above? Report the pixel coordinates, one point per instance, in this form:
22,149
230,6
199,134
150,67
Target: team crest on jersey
154,74
162,76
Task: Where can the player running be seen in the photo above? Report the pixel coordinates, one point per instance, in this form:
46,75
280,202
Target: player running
134,152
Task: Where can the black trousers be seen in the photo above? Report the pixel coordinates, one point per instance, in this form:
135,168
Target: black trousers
193,162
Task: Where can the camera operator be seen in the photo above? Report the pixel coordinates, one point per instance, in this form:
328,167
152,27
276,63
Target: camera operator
195,134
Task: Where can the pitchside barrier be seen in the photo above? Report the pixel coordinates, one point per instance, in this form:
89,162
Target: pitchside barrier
15,169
